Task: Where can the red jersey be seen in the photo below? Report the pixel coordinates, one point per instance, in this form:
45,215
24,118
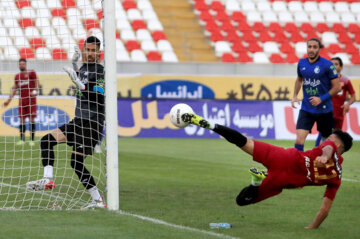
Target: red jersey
26,83
339,99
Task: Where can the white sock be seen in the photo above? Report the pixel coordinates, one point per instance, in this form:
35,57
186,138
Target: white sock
212,125
95,195
48,172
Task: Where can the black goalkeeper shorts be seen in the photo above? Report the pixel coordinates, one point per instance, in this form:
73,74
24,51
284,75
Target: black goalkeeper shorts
82,134
324,122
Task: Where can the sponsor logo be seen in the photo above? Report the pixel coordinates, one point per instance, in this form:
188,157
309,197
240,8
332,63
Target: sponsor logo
47,118
317,70
177,89
307,165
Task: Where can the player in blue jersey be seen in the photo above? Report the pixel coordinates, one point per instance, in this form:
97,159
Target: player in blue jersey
319,79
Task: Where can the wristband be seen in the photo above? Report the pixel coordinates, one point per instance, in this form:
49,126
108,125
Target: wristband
325,97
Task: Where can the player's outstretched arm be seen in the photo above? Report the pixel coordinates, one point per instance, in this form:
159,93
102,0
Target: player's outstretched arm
322,214
74,78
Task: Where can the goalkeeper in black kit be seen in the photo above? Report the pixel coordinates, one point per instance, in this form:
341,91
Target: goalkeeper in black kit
83,132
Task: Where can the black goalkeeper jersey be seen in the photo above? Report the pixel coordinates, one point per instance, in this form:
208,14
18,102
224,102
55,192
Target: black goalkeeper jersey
90,103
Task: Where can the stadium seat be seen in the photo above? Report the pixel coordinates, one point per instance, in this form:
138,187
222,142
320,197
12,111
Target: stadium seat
311,7
307,27
99,14
120,14
127,35
144,5
300,17
21,42
280,37
291,27
23,3
347,18
59,54
254,47
253,17
38,4
129,4
338,28
258,27
328,38
287,48
271,47
149,14
27,53
355,59
11,53
275,27
96,5
296,37
31,32
143,34
232,6
291,58
322,27
276,58
342,7
158,35
148,45
351,49
344,57
68,4
228,57
16,32
248,6
324,53
90,23
123,24
28,12
154,25
344,38
260,57
43,53
26,22
122,55
248,37
164,45
263,6
317,17
300,48
326,7
2,57
58,12
134,14
239,48
138,56
355,7
44,13
52,42
79,33
332,17
269,17
154,56
217,6
10,23
334,48
238,16
222,47
264,36
82,3
295,6
88,13
169,56
285,17
132,45
73,13
53,4
222,17
138,24
244,58
279,6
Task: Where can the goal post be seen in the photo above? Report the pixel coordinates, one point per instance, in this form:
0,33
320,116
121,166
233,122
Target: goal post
112,165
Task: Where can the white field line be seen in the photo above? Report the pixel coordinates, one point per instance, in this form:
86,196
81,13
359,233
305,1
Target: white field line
44,193
157,221
351,180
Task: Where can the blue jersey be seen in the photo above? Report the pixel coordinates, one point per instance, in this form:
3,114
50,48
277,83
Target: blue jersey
316,78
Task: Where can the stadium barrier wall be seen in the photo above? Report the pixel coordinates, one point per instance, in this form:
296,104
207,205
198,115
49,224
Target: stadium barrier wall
179,86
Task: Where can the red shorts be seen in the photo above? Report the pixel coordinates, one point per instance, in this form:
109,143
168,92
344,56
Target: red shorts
27,108
286,169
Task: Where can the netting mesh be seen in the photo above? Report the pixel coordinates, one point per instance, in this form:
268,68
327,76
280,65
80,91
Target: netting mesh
45,33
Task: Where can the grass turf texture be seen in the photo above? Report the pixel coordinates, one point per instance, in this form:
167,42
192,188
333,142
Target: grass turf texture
194,182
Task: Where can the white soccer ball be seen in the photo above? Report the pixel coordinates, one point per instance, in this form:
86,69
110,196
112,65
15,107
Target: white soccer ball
176,112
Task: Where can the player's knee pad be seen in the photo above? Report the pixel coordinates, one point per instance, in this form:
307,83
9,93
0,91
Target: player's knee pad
247,196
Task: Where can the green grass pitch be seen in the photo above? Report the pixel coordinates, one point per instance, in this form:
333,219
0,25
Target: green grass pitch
189,182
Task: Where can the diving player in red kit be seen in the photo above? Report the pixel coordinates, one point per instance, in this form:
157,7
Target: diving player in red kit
287,168
28,85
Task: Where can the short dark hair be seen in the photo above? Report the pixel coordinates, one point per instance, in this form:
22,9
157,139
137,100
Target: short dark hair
338,59
345,138
317,40
92,40
22,59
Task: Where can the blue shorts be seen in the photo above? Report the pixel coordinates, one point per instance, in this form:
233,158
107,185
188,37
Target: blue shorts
325,122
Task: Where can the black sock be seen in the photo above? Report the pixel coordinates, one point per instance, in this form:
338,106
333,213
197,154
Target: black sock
32,129
47,144
22,129
230,135
77,163
247,196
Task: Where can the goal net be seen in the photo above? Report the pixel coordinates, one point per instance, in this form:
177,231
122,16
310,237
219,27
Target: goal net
45,33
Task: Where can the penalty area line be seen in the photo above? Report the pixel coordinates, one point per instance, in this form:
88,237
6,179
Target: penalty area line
161,222
351,180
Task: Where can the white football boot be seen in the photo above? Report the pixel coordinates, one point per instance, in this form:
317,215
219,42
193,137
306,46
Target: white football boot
41,184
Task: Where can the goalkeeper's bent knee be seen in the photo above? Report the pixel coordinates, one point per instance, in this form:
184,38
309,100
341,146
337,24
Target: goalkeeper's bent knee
47,144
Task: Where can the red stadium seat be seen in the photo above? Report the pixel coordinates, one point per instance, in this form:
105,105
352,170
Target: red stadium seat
102,55
68,4
351,49
324,53
129,4
254,47
248,37
238,16
59,54
228,57
244,27
132,45
91,23
307,27
206,16
357,38
26,22
312,35
228,27
58,12
99,14
222,17
354,28
280,37
211,26
287,48
259,27
216,36
276,58
154,56
81,44
201,6
291,58
37,42
275,27
23,3
355,59
296,37
27,53
322,27
264,36
244,57
138,24
334,48
239,48
338,28
344,38
158,35
291,27
217,6
233,37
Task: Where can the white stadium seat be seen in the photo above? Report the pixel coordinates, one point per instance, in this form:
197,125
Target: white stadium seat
38,4
355,7
15,32
260,57
341,7
2,56
11,23
47,31
253,16
279,6
74,22
316,17
82,3
11,53
79,33
120,45
263,6
52,42
122,55
12,13
97,5
154,25
348,17
344,57
138,56
169,56
68,43
149,14
164,45
328,38
88,13
31,32
21,42
28,12
269,17
300,48
58,22
43,13
3,31
148,45
300,17
134,14
311,7
42,22
231,6
123,24
221,47
326,7
332,17
247,6
271,47
53,4
5,41
295,6
73,13
127,35
143,34
144,5
285,17
8,4
42,53
120,14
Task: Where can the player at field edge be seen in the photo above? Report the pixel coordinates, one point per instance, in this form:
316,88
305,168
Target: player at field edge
319,80
287,168
28,85
83,132
338,101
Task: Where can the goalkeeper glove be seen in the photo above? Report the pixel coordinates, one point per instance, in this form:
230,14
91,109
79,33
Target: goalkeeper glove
74,78
76,57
